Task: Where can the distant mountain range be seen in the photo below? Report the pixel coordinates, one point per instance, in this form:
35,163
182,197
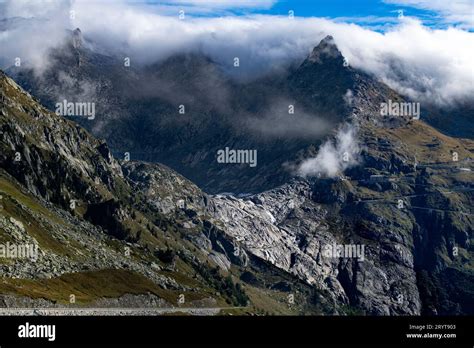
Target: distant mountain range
263,239
139,109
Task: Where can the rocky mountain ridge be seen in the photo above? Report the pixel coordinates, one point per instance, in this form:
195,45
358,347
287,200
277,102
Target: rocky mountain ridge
100,236
187,109
407,202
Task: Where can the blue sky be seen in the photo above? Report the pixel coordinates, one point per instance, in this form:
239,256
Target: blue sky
342,8
378,14
336,8
364,12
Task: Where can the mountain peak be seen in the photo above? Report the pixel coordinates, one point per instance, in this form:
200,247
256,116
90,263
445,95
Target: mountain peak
77,39
325,50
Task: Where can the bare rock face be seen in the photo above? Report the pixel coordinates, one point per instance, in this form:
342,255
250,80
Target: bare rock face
165,189
287,228
326,49
77,39
51,156
173,195
347,236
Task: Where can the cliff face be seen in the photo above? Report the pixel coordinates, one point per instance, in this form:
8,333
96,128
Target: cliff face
183,110
116,234
390,235
429,233
292,226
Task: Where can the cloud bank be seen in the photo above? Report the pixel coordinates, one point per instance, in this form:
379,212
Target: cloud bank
278,122
334,156
430,66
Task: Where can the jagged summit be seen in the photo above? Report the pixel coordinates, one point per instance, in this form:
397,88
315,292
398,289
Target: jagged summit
77,39
173,226
326,49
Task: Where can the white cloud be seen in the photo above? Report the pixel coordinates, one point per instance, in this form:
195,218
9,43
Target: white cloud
277,121
428,65
453,11
334,156
431,66
32,8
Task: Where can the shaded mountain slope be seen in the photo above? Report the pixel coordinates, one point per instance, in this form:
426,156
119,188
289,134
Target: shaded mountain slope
185,109
408,201
101,239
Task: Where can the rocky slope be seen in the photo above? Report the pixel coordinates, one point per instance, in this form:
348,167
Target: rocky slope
187,109
407,201
428,238
105,240
291,226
